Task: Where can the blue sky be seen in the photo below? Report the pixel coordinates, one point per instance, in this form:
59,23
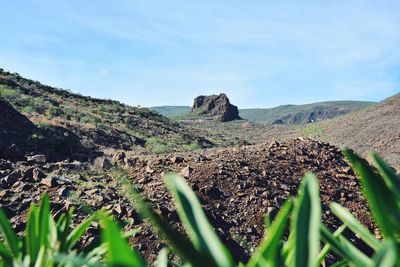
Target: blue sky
260,53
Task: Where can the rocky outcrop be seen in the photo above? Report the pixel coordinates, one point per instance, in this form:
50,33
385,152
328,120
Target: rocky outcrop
217,106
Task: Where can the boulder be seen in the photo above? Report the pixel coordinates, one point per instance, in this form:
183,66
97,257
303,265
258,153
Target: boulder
37,159
217,106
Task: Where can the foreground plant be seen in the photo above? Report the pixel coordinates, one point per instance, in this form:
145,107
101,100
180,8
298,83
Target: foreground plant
47,242
44,239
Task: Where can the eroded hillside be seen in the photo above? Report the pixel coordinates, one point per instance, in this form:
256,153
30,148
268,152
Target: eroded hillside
97,123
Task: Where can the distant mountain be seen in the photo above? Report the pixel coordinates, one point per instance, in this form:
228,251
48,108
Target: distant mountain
286,114
171,111
297,114
97,123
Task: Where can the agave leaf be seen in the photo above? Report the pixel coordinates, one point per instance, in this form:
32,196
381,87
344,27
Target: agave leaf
119,251
392,180
325,250
175,239
386,256
194,220
380,197
305,223
5,255
348,219
265,254
41,257
345,248
75,260
32,234
162,258
43,220
63,228
342,263
79,231
8,234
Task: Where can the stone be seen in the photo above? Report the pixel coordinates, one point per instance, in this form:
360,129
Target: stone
176,159
37,159
12,177
185,172
119,157
217,106
149,169
64,191
101,163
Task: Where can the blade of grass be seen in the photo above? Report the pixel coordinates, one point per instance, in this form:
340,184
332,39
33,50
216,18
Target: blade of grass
383,203
8,234
350,221
386,256
392,180
267,251
79,231
119,252
175,239
5,255
305,223
344,248
43,220
194,220
32,236
325,250
162,258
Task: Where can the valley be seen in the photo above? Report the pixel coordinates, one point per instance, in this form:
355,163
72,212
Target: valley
81,150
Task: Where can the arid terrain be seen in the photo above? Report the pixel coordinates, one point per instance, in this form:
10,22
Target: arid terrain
78,149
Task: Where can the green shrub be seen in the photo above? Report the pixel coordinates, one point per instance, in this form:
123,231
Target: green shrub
191,147
8,94
46,242
158,145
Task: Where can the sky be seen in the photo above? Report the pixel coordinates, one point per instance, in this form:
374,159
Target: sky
260,53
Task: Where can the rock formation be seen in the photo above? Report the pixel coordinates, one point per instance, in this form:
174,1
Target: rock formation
217,106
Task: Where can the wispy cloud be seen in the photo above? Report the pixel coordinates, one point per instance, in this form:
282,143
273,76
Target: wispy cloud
261,53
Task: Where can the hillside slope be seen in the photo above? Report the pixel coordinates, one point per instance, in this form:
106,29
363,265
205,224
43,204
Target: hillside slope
285,114
375,128
98,123
171,111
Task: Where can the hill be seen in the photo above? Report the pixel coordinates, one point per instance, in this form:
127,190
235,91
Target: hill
374,128
97,123
285,114
299,114
171,111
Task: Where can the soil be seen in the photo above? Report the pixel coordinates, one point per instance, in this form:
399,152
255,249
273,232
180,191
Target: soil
236,186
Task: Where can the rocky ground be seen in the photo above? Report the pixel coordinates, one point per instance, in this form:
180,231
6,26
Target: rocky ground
236,186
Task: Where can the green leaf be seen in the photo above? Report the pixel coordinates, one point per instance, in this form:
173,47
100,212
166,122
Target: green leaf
32,235
162,258
380,197
386,256
266,253
79,231
344,248
305,223
348,219
195,222
8,234
391,179
119,251
325,250
44,220
175,239
5,255
41,258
